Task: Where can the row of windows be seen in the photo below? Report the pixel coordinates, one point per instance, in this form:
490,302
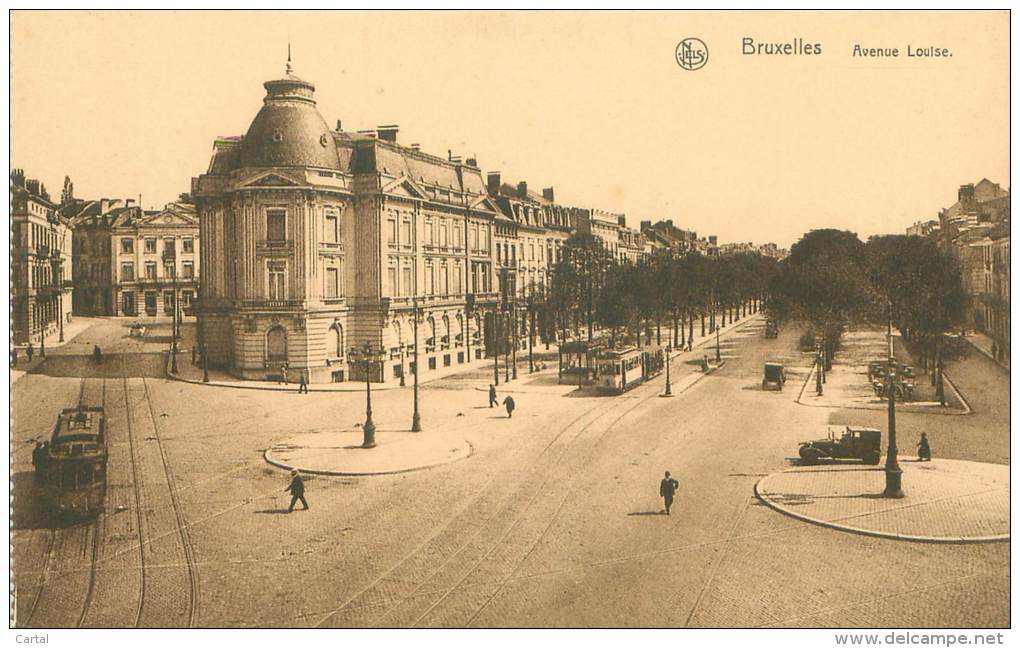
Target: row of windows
332,282
127,245
127,270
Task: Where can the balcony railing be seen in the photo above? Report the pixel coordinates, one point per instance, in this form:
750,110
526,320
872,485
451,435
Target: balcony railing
272,304
266,245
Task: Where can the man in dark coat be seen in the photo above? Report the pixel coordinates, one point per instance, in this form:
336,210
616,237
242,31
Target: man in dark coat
14,357
492,397
297,490
509,403
303,385
97,354
923,449
667,489
30,351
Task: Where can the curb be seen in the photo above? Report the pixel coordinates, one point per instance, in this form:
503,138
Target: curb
899,408
335,473
832,524
987,354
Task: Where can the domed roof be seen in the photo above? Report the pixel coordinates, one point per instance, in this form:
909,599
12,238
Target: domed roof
288,130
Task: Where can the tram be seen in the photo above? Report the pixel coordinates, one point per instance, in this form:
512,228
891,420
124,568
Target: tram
625,368
70,469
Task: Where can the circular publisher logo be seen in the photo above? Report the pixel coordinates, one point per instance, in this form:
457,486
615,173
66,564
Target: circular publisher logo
691,53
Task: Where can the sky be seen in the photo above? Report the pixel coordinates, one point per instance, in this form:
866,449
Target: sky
748,147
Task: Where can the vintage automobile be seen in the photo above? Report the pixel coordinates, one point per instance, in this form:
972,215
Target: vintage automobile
844,442
774,374
771,329
904,389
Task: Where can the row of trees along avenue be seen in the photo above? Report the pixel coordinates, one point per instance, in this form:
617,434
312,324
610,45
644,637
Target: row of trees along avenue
661,297
831,280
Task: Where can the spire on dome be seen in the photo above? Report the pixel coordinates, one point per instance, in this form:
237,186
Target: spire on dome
290,68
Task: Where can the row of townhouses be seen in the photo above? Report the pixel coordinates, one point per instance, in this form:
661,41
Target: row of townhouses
317,241
975,229
95,257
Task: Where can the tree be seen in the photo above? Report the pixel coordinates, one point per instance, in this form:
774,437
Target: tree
579,277
823,282
185,197
67,195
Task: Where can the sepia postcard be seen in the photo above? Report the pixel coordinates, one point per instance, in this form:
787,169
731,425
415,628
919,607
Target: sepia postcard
510,319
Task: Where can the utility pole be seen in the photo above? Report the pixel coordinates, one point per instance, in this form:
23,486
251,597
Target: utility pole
416,417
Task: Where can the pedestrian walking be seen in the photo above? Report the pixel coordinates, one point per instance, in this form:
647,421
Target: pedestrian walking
283,373
97,354
14,357
704,363
30,351
492,397
923,449
509,403
667,489
297,490
303,386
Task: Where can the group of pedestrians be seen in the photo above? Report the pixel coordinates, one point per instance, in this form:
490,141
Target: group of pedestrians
508,402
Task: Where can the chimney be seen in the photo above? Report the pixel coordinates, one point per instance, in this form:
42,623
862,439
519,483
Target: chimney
645,225
494,182
713,239
522,189
104,205
388,133
416,146
338,126
548,194
669,223
130,202
471,162
622,220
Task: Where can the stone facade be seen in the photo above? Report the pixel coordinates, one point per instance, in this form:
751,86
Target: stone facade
41,261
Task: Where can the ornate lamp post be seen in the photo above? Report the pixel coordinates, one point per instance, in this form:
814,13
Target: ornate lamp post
172,258
366,356
513,320
403,364
416,417
893,473
819,368
59,283
495,346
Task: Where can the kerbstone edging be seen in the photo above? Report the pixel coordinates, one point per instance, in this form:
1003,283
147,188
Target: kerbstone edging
835,523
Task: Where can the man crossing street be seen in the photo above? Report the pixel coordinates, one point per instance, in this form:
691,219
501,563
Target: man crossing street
297,490
492,397
509,403
667,489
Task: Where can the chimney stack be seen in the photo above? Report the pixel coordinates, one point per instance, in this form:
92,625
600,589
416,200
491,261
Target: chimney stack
548,194
493,182
388,133
645,225
622,220
472,162
966,193
522,189
338,126
416,146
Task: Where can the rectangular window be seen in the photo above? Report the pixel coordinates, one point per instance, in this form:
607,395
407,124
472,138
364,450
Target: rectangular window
483,234
405,232
127,272
474,237
331,231
168,301
458,285
189,245
186,296
168,270
391,276
276,225
405,283
169,247
332,283
150,270
188,270
150,246
428,231
127,245
277,281
429,279
391,231
457,233
443,233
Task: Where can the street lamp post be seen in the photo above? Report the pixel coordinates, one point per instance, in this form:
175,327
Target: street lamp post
893,473
365,356
495,347
506,360
173,330
57,267
201,338
513,320
416,417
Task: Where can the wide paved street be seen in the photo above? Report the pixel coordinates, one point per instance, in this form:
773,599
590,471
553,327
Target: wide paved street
555,519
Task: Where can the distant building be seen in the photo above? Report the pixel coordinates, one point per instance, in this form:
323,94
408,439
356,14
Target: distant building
41,259
976,231
924,228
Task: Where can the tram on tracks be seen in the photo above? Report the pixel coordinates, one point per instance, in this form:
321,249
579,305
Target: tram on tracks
625,368
70,468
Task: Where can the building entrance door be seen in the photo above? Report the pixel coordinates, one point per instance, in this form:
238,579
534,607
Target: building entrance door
129,304
150,304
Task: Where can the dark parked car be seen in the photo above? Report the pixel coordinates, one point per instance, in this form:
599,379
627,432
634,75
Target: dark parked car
847,442
775,374
771,329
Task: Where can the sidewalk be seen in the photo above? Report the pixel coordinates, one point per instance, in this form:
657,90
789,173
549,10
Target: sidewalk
945,500
72,330
847,384
983,343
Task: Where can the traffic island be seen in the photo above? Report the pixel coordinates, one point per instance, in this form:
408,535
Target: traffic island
340,452
946,501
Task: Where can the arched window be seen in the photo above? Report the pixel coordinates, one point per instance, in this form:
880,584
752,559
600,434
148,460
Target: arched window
398,334
276,344
335,341
430,343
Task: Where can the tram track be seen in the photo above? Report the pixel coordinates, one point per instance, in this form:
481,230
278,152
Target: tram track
137,490
51,535
98,525
182,526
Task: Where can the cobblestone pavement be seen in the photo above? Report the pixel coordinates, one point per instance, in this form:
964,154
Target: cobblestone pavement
553,521
948,500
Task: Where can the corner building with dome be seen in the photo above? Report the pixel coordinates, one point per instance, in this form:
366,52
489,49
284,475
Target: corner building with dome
319,240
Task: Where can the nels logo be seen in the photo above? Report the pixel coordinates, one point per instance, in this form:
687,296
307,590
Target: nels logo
692,53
